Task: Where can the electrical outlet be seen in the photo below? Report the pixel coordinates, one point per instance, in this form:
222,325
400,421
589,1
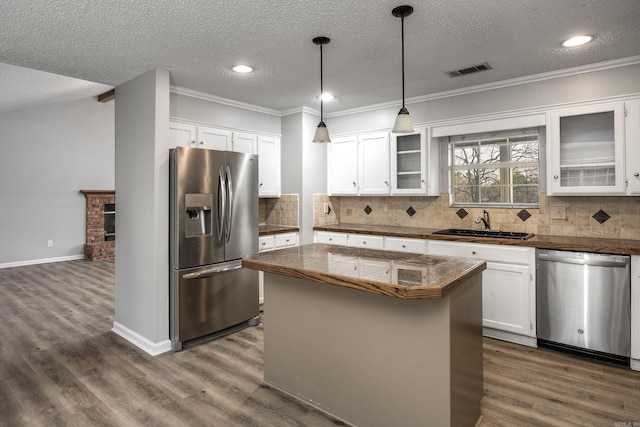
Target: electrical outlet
50,243
326,208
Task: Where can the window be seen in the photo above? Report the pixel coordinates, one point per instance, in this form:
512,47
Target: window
496,169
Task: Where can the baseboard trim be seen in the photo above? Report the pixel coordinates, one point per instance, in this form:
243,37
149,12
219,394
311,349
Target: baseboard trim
141,342
510,336
40,261
634,364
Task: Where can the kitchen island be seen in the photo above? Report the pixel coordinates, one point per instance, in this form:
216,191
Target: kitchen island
375,338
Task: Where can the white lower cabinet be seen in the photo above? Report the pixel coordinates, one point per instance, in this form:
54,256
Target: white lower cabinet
270,243
402,244
365,241
508,287
331,238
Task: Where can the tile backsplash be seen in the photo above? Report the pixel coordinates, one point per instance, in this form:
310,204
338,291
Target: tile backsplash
611,217
280,211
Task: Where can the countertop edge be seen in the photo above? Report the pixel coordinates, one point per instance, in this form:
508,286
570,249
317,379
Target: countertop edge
440,290
579,244
276,229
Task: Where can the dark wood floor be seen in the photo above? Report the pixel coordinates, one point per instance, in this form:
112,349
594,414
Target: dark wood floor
61,366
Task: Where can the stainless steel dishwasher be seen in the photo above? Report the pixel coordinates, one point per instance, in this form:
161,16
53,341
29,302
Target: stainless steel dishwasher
584,303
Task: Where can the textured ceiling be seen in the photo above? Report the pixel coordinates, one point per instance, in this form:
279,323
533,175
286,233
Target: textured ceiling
110,42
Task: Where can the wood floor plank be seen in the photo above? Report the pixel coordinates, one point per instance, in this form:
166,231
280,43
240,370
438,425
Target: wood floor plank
60,365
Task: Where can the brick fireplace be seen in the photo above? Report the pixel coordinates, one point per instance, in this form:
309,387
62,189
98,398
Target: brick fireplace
100,236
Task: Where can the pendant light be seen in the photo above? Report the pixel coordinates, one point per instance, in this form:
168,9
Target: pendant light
322,133
403,121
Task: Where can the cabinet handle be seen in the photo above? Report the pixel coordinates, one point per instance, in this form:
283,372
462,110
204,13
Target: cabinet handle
386,183
354,183
404,246
636,174
260,185
193,142
331,239
473,252
201,142
364,242
555,176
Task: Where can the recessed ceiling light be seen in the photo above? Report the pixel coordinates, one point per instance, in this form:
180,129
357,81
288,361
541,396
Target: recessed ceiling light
242,69
577,41
326,97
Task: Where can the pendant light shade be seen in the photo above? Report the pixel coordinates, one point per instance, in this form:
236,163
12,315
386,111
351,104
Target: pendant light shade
322,133
403,122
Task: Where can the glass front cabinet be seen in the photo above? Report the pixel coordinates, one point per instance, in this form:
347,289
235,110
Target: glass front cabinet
414,164
586,150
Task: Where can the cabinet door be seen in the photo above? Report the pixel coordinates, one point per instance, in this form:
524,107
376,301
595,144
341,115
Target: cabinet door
399,244
373,164
342,174
268,166
182,134
245,143
365,241
409,163
285,240
633,147
214,139
266,243
506,296
331,238
586,150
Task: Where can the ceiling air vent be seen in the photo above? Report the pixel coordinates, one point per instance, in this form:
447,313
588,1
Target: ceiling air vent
470,70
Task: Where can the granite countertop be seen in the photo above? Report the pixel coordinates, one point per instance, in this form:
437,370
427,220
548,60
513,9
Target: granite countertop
586,244
264,230
395,274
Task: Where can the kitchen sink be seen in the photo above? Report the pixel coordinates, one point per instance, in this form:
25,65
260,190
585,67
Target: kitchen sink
485,233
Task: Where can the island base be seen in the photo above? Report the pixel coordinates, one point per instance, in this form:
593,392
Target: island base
373,360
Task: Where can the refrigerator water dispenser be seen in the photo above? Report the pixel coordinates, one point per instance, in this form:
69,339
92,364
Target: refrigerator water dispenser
197,218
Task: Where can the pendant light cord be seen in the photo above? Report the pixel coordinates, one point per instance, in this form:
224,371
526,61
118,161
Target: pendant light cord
321,89
402,25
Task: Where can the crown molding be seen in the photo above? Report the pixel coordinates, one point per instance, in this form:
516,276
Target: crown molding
600,66
302,109
225,101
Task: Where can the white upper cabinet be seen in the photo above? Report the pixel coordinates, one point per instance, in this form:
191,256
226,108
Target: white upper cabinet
244,143
359,165
585,153
373,164
633,147
414,164
188,135
268,166
182,134
214,139
342,173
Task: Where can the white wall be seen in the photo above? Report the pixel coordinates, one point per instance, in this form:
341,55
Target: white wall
49,153
142,203
579,87
222,115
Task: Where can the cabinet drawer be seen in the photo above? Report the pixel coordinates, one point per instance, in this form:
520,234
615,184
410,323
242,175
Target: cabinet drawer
265,243
331,238
287,239
365,241
497,253
405,245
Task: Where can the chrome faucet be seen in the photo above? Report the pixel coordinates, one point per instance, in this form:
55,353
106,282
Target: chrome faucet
484,219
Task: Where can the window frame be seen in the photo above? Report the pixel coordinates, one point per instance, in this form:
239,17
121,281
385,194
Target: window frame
503,141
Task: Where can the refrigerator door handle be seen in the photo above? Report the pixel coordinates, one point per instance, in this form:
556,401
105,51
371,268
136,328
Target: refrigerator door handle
222,200
229,218
211,271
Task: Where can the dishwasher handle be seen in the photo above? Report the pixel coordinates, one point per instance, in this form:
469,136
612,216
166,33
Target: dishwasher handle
584,261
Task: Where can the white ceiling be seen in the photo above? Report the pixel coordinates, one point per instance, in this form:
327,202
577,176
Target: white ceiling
110,42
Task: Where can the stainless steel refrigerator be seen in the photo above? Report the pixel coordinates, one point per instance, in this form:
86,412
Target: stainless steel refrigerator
213,223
